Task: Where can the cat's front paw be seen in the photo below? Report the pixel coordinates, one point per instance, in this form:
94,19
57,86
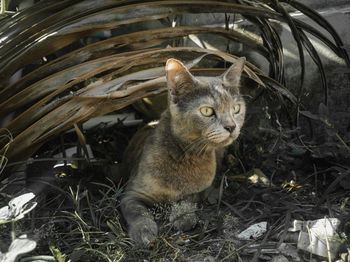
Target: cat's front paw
143,231
183,215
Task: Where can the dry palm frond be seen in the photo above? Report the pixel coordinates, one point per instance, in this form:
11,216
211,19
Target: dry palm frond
108,75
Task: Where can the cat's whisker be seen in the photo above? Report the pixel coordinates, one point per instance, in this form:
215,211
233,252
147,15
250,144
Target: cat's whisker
192,147
196,146
211,132
247,96
215,136
218,136
202,149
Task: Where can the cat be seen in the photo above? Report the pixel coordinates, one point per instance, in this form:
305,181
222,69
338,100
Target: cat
178,158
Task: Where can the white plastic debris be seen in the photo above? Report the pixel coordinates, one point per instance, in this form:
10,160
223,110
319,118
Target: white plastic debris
319,236
17,208
19,246
253,232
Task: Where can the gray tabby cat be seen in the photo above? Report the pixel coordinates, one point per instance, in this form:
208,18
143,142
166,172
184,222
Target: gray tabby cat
178,158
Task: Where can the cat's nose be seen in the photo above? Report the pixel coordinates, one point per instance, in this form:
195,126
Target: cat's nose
230,128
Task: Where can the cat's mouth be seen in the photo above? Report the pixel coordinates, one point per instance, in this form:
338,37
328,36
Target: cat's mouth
223,139
229,140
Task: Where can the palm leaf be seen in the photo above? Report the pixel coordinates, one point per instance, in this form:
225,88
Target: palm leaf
121,64
133,41
72,25
296,35
314,55
323,23
72,29
111,74
271,41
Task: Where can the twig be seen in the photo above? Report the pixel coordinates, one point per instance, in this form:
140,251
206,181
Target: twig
286,225
237,250
32,160
310,240
234,210
331,187
101,253
3,158
3,7
221,191
257,254
328,247
343,142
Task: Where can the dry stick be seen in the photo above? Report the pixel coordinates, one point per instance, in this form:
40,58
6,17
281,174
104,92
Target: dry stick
221,190
249,202
92,250
3,7
328,247
3,158
93,217
82,140
329,206
32,160
234,210
64,154
315,172
237,250
170,245
286,225
310,240
257,254
204,229
218,254
343,142
332,187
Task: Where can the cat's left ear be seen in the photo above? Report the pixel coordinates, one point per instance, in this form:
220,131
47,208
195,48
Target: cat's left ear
180,80
232,76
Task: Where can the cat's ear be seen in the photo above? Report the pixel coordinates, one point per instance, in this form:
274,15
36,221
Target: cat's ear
232,76
180,80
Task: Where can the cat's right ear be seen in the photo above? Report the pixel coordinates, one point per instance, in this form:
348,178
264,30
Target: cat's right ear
232,76
180,80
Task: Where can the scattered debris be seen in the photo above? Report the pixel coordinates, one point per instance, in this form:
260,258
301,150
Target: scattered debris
253,232
17,208
20,245
319,237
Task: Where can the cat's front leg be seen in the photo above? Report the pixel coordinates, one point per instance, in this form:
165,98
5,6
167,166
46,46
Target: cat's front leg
183,214
142,227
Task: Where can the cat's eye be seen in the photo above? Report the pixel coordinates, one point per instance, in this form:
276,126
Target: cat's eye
236,109
207,111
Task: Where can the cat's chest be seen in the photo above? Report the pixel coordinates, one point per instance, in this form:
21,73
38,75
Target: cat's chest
193,174
201,175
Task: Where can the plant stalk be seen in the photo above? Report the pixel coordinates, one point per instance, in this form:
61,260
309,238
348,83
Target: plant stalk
3,7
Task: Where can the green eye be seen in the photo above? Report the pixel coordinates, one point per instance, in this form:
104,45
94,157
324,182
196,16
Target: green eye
207,111
236,109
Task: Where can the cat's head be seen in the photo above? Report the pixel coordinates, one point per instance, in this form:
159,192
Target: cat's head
206,109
